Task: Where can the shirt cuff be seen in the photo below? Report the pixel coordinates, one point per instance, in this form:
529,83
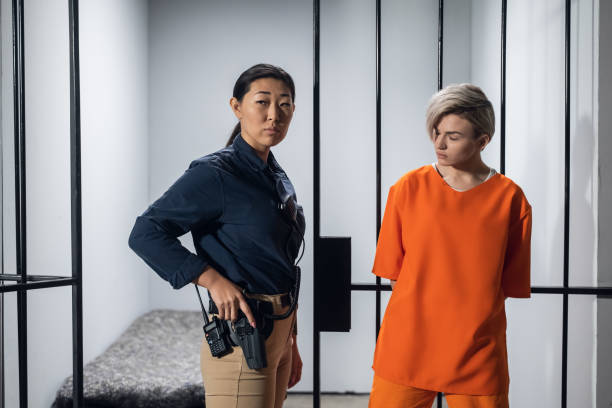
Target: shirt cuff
385,274
191,268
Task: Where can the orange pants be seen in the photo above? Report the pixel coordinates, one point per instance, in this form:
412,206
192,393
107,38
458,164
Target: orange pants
386,394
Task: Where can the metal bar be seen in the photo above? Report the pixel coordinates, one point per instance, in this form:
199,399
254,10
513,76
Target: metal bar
556,290
369,287
378,155
378,305
599,291
335,393
566,223
2,385
440,41
18,287
29,278
20,191
440,83
76,210
2,381
502,113
316,4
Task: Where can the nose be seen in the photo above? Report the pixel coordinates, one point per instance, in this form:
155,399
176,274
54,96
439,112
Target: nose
274,113
440,142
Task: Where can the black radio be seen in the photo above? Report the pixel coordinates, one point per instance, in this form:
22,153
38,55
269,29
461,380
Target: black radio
217,337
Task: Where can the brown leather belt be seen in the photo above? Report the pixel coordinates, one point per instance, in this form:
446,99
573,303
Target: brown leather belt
285,300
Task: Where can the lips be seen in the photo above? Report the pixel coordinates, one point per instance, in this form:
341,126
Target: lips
441,155
272,130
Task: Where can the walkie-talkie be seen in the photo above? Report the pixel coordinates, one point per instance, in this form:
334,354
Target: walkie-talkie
216,333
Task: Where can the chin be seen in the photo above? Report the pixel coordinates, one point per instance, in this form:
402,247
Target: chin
270,141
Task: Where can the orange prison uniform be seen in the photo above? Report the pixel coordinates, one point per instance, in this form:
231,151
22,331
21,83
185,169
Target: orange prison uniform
455,256
386,394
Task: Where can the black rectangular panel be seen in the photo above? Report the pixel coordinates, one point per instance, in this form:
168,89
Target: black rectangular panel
332,284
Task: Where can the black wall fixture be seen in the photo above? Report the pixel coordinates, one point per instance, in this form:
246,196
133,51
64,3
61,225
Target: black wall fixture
332,283
22,282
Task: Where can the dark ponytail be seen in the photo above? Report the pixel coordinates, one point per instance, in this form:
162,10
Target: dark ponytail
233,134
243,84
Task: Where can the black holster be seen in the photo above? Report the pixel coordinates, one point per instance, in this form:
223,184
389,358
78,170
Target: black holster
252,340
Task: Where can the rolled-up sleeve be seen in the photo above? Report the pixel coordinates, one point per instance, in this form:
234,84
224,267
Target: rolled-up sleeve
193,201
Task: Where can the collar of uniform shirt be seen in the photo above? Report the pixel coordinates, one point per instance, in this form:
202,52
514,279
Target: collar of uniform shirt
247,153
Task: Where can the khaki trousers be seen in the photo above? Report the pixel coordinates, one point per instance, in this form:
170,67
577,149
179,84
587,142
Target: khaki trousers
230,383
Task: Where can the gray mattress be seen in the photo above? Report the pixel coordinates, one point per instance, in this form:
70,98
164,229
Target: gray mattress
154,363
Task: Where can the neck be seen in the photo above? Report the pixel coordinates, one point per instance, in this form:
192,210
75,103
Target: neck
472,167
263,155
262,151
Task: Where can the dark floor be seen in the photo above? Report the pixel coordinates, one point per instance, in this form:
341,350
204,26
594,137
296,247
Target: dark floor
327,401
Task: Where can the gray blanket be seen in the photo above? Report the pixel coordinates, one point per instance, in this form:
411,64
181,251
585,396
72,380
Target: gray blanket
154,363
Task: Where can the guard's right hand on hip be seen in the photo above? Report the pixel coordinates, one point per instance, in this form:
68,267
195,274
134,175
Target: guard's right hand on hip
226,294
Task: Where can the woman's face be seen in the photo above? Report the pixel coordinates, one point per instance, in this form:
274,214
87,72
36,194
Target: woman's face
264,113
455,143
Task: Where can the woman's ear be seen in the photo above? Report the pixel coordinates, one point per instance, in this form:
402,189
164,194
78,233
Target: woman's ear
235,105
484,141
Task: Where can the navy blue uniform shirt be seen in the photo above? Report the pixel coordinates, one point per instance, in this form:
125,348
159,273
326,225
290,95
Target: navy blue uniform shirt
231,203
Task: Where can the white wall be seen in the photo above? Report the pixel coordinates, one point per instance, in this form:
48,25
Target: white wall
114,177
115,164
535,159
604,230
604,125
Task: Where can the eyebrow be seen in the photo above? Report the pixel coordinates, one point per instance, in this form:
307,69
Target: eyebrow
269,93
449,132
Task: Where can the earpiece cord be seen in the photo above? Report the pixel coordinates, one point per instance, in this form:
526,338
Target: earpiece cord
298,278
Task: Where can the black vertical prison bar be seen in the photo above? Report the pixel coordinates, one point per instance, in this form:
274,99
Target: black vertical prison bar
316,383
20,199
502,113
24,281
76,213
566,218
440,84
440,41
378,157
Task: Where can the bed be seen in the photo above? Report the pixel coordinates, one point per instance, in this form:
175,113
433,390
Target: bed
154,363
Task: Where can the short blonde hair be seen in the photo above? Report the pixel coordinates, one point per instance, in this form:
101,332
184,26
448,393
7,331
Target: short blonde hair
466,100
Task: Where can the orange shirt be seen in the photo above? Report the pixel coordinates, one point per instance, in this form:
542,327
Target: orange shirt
455,256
